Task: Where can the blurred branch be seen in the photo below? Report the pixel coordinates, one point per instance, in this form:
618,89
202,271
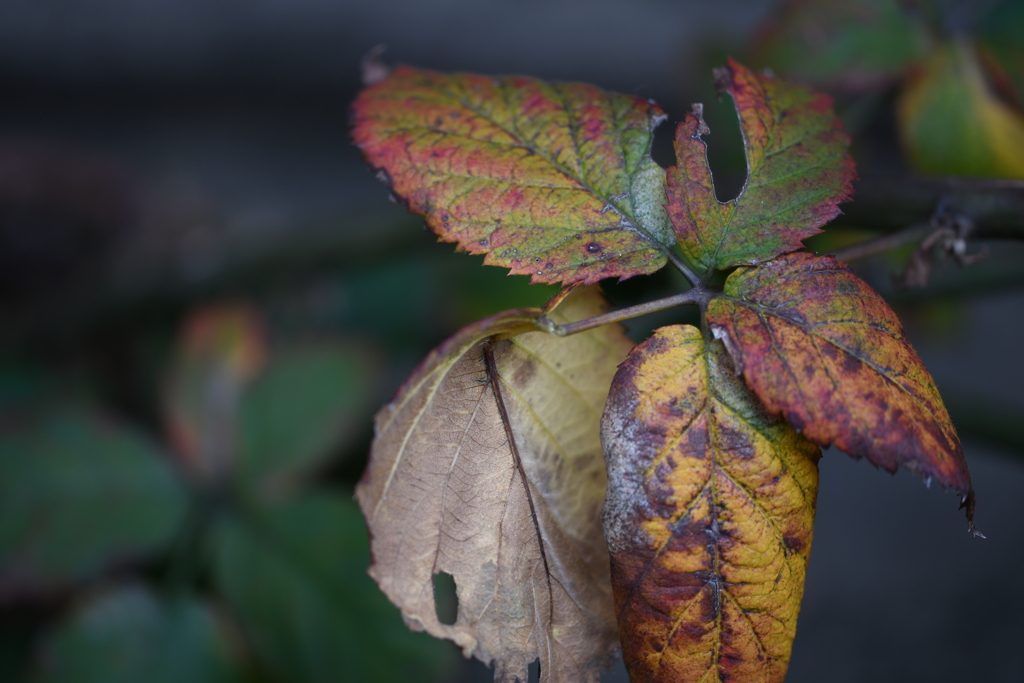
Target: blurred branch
891,203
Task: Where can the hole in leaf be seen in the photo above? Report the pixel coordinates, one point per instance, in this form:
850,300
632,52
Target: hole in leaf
725,149
533,673
446,600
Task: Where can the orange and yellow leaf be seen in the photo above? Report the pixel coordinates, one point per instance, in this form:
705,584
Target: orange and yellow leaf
820,347
708,516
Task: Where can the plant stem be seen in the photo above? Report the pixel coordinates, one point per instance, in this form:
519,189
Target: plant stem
697,295
884,243
889,203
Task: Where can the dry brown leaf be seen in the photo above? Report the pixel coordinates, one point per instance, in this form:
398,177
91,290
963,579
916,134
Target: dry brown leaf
502,490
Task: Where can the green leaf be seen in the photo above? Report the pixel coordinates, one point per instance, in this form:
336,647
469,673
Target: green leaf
78,491
819,346
797,172
295,577
951,123
1000,42
303,405
130,636
552,180
854,44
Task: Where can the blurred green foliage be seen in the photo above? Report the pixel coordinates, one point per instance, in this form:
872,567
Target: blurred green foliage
957,71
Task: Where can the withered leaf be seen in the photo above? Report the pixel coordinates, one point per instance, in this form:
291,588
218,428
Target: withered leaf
487,466
709,516
819,346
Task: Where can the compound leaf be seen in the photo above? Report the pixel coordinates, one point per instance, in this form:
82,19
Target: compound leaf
709,516
797,172
819,346
487,466
551,180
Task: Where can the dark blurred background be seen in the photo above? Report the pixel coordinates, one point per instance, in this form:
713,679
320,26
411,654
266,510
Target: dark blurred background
205,295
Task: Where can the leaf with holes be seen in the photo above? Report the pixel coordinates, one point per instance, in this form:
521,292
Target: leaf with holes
798,170
487,467
819,346
709,516
552,180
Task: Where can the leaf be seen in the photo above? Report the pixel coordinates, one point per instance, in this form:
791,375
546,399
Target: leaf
300,409
950,122
129,635
78,491
819,346
797,172
220,350
552,180
1002,49
853,44
709,516
294,575
487,466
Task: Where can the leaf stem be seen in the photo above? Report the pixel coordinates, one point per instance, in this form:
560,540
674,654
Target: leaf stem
683,268
884,243
697,295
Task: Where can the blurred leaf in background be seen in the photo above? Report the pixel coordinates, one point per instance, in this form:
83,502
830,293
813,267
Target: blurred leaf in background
959,69
79,491
951,123
1001,45
307,401
220,350
850,45
130,635
294,575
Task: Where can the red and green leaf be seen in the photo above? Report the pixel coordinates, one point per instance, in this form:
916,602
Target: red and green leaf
819,346
551,180
798,171
708,516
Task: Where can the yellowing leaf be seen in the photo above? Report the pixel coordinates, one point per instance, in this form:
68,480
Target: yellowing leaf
951,123
708,517
819,346
487,466
797,173
552,180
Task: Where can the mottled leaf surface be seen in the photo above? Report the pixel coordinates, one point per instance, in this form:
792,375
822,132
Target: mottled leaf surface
709,516
487,466
551,180
798,170
819,346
